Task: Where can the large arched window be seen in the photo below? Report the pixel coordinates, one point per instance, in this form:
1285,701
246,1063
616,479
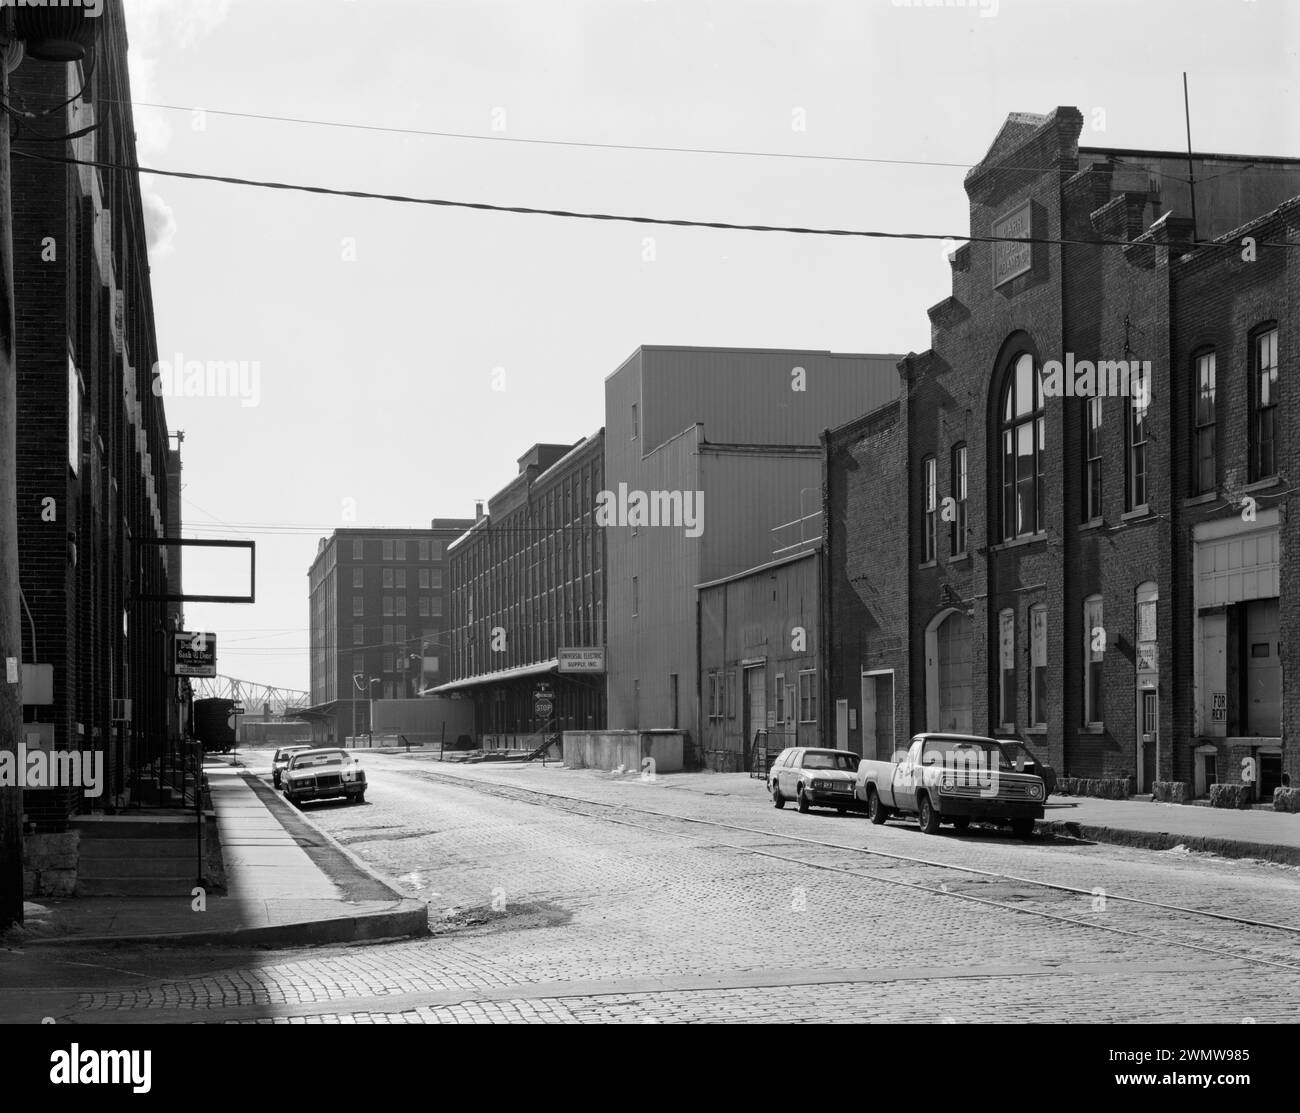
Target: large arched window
1023,429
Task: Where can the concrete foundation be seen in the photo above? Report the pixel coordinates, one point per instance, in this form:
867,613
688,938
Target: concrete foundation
630,749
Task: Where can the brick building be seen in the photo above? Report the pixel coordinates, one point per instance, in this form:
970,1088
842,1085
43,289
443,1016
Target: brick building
378,603
1093,563
527,581
96,474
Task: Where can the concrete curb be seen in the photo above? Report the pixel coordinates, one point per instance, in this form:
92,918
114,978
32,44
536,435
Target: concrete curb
1165,840
281,804
403,922
400,917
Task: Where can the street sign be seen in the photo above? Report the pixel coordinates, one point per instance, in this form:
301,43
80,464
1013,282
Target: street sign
194,654
236,708
582,658
543,707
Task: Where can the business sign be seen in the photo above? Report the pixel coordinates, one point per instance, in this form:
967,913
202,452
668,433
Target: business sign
582,659
194,654
1011,259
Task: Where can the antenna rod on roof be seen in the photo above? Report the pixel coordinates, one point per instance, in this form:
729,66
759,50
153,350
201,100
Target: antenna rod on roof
1191,173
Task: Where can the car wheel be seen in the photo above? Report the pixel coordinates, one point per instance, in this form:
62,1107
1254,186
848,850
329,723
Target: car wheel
928,816
962,822
359,798
803,800
778,800
1022,828
876,811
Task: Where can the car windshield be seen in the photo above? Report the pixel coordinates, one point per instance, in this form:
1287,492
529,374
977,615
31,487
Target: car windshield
1018,755
327,757
982,754
831,759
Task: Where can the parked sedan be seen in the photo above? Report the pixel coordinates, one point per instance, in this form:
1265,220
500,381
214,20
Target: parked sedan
322,774
814,778
281,759
1025,761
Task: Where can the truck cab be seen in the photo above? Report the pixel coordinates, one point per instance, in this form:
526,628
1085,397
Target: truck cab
951,778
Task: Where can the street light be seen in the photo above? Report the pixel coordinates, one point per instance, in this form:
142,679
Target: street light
356,686
371,695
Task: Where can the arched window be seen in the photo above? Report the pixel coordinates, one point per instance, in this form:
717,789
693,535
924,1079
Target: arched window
1023,429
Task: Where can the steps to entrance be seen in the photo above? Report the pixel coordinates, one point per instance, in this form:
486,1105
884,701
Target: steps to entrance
137,856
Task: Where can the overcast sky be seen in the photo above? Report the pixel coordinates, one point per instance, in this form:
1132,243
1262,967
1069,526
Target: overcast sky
378,329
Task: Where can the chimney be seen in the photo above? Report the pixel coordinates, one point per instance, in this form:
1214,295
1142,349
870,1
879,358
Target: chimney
478,512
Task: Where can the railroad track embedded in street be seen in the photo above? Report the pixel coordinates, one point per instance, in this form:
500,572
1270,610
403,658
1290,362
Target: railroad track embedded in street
619,813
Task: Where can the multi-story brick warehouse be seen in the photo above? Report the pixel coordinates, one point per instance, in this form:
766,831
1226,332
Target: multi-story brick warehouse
95,471
527,581
1105,577
378,601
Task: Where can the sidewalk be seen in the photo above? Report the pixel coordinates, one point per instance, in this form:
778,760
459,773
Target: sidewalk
288,884
1253,833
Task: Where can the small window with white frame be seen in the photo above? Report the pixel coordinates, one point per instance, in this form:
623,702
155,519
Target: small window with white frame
808,696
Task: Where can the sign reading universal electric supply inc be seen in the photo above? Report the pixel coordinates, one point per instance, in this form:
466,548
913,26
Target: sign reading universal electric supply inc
582,659
194,654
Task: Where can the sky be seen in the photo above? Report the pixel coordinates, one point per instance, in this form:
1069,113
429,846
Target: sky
398,358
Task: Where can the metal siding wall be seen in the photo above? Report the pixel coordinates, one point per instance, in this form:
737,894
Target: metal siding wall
746,495
745,397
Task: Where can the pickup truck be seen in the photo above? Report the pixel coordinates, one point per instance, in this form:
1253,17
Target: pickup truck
951,778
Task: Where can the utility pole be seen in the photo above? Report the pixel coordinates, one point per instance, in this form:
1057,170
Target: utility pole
1191,168
11,646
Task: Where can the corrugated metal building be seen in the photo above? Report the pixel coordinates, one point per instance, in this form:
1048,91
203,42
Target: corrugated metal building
760,654
707,452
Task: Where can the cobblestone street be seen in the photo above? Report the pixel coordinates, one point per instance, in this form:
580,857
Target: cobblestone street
577,896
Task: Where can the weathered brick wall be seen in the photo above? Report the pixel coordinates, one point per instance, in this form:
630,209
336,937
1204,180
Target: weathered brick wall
1145,301
867,530
1219,298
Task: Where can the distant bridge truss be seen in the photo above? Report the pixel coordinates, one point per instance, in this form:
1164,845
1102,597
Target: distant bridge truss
282,703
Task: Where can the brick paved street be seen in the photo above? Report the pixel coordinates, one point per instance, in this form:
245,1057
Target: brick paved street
579,896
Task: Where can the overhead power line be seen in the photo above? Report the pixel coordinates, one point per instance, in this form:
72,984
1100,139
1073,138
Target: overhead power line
527,210
593,145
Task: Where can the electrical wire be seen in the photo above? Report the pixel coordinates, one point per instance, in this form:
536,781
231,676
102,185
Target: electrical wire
527,210
582,144
650,148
